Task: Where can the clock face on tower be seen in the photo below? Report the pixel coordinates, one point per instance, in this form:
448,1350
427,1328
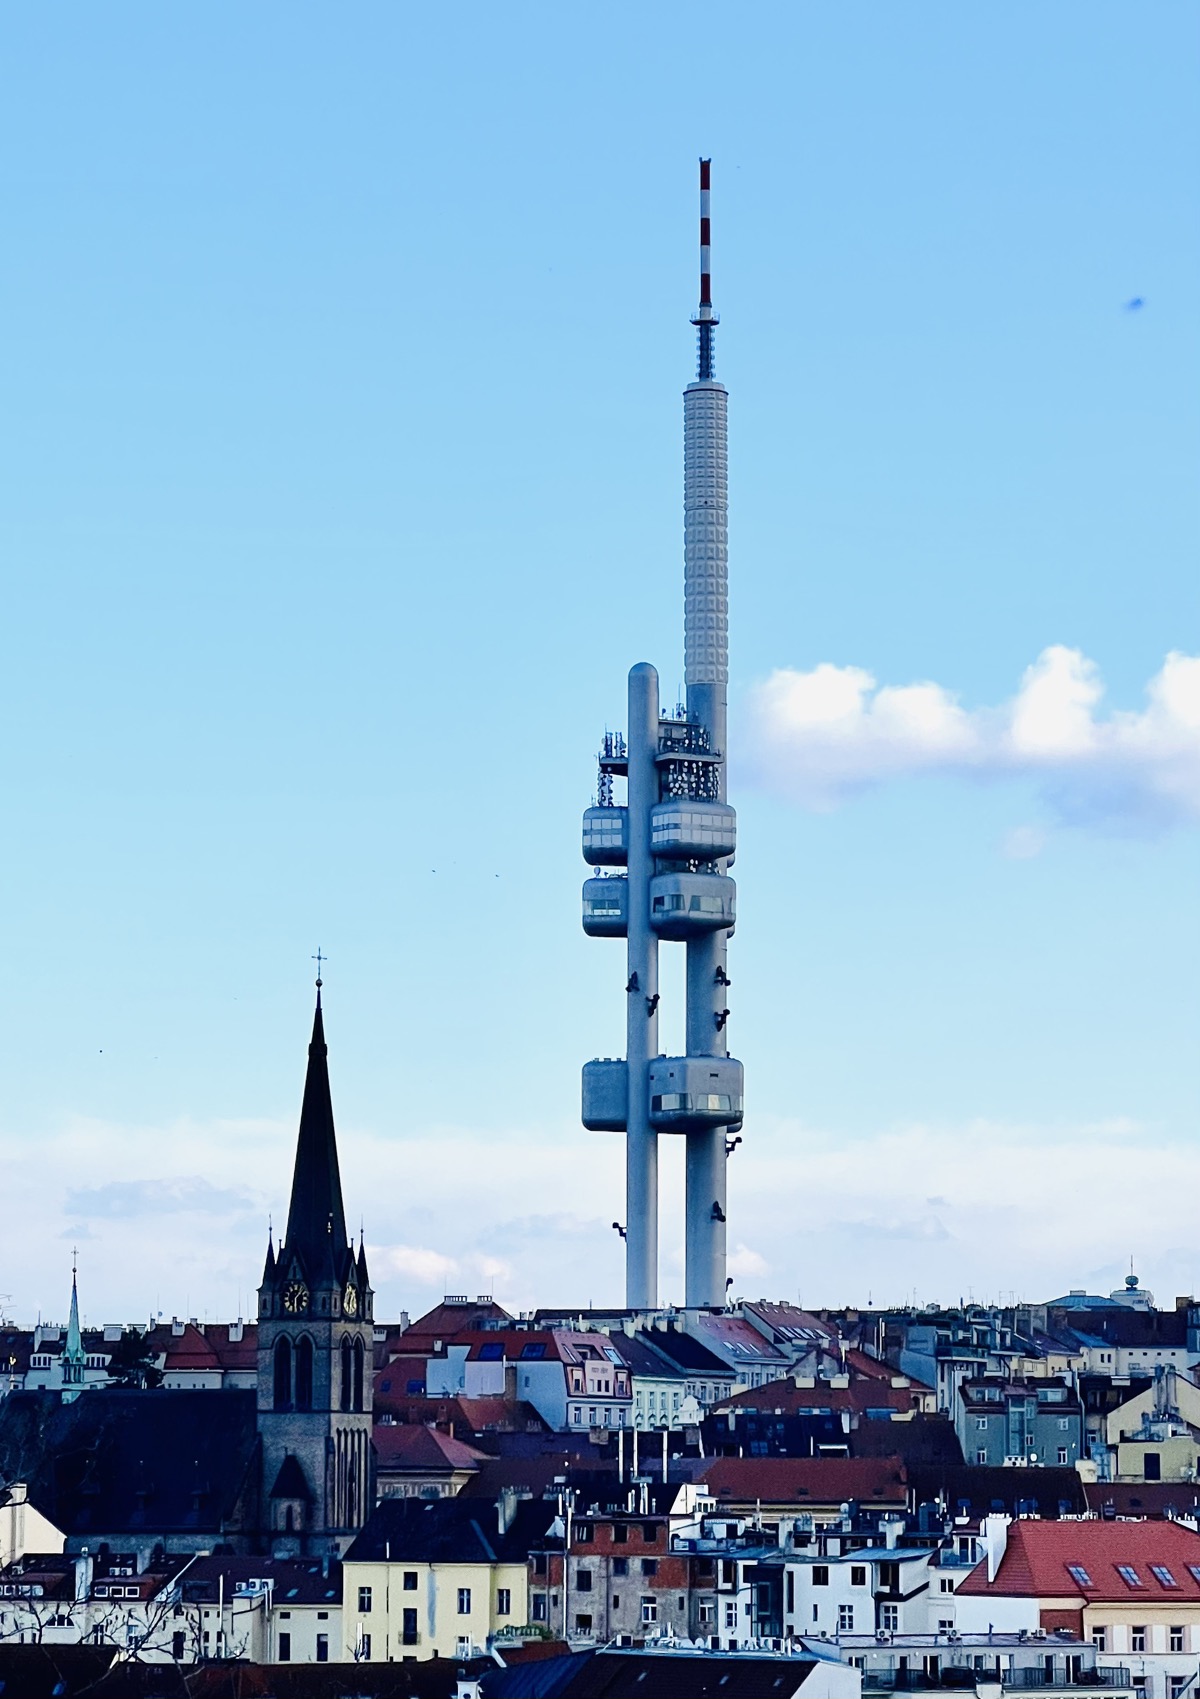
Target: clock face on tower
350,1301
295,1297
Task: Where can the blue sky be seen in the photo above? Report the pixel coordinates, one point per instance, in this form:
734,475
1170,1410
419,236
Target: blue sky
341,473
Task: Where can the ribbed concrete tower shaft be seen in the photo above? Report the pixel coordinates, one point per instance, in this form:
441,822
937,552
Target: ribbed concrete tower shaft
706,663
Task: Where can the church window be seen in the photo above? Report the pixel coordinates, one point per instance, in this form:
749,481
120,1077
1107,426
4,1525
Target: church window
464,1601
364,1600
358,1374
283,1374
345,1391
304,1374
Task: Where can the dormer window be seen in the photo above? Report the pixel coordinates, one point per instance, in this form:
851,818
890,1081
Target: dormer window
1129,1575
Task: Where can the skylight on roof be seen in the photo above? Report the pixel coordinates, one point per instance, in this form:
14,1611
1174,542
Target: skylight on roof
1078,1573
1195,1569
1163,1574
1129,1575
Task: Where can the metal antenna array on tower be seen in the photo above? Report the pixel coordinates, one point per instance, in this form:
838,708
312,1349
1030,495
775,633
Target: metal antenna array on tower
673,842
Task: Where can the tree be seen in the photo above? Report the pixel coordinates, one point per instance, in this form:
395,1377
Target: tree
132,1362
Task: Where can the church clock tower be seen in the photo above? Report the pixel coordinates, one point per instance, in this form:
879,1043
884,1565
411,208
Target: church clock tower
315,1347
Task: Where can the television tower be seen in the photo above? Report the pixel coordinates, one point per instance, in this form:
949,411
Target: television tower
673,840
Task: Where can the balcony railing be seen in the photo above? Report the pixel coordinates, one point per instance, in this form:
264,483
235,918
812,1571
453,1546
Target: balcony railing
959,1676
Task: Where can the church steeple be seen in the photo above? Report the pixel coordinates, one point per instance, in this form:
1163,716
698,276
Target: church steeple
316,1223
74,1357
315,1340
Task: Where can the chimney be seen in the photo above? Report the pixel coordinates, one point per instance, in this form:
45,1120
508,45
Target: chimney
506,1508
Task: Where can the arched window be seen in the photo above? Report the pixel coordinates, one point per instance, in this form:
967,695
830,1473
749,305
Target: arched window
347,1387
304,1374
358,1374
283,1374
289,1519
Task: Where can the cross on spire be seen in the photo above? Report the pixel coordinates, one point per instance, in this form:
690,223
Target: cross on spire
319,958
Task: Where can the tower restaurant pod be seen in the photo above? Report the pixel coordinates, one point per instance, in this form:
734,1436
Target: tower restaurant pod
691,1093
693,828
685,905
606,836
606,906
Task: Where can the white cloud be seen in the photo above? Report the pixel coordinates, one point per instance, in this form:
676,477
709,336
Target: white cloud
744,1263
977,1206
823,735
412,1262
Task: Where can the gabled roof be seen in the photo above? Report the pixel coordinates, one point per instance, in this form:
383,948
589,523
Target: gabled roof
456,1315
294,1581
409,1448
449,1530
805,1481
737,1341
691,1356
132,1461
1039,1555
974,1490
290,1481
640,1358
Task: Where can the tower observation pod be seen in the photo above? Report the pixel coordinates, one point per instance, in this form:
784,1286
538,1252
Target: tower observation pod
673,838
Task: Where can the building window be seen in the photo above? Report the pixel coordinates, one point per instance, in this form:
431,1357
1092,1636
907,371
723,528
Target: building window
945,1584
858,1574
583,1580
649,1566
591,1415
410,1580
364,1601
620,1533
583,1622
649,1608
620,1566
1062,1454
820,1575
408,1632
178,1641
464,1601
576,1414
1175,1639
364,1648
1078,1573
731,1616
503,1601
845,1619
347,1374
981,1457
1129,1575
285,1648
538,1611
889,1618
1178,1685
283,1374
1137,1638
322,1648
304,1374
1162,1574
1100,1639
981,1423
1064,1424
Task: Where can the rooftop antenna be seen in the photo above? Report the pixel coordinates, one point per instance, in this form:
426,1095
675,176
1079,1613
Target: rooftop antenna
706,320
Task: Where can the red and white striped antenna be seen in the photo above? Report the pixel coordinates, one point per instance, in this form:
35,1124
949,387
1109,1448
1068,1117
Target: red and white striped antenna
705,319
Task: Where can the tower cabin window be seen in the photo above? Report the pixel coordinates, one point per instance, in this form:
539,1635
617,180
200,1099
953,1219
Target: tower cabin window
346,1389
283,1374
358,1374
304,1374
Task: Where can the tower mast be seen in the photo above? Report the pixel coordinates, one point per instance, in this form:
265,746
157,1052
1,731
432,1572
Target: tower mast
675,838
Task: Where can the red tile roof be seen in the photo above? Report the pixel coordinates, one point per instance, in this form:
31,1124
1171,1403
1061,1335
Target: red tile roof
403,1447
806,1481
1037,1559
786,1398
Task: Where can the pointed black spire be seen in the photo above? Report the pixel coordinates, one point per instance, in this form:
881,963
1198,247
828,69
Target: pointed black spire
316,1224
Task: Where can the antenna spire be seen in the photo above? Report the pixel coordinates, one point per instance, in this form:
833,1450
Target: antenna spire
705,319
